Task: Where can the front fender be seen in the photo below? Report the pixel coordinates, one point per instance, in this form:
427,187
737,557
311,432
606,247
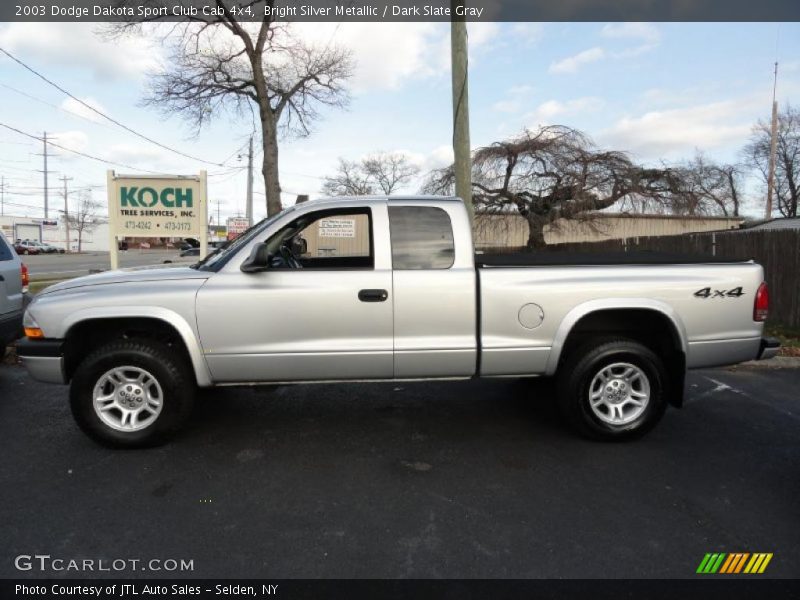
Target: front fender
187,333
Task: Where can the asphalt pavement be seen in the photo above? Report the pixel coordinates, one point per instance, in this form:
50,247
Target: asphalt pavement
57,266
465,479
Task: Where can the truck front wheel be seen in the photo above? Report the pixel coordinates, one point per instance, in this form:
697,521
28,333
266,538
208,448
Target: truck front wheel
131,393
612,389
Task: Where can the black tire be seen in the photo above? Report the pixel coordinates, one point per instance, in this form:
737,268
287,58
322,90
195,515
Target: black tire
575,379
171,372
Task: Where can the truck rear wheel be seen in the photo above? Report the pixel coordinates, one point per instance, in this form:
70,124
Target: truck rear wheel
131,393
612,389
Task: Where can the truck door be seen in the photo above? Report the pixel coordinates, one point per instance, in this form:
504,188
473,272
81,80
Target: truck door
322,311
434,292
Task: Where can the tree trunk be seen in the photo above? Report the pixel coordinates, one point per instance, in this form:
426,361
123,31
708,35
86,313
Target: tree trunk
269,167
535,232
269,138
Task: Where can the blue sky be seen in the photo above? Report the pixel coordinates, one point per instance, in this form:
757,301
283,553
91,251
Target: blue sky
659,91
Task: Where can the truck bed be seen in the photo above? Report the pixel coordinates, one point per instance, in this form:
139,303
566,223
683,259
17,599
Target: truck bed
638,257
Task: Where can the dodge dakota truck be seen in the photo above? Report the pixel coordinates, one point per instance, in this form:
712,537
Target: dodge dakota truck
354,289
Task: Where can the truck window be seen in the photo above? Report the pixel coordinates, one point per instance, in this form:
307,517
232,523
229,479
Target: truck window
422,238
5,251
329,239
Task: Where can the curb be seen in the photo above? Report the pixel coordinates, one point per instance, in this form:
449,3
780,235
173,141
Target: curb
778,362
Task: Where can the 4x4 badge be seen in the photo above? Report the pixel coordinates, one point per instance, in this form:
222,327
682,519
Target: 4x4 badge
707,292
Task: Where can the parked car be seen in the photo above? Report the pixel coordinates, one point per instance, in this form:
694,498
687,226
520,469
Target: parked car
25,247
189,243
50,249
13,290
403,297
45,248
187,255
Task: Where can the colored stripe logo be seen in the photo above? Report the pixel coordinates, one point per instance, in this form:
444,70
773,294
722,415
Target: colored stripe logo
734,563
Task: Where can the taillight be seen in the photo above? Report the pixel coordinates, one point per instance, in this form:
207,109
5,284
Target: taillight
26,278
761,305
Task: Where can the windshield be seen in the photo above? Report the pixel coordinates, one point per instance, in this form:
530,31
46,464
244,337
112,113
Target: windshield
219,257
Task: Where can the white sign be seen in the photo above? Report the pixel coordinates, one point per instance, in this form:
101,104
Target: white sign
158,207
337,228
237,226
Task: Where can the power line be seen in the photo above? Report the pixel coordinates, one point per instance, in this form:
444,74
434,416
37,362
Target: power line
105,116
79,153
51,105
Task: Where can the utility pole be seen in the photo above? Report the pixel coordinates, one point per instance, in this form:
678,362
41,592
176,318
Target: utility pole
250,183
65,179
773,146
461,149
46,208
2,196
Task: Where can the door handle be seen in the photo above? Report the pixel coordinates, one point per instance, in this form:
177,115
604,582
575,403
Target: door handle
373,295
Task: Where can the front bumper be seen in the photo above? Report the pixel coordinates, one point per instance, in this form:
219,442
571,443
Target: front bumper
769,348
44,359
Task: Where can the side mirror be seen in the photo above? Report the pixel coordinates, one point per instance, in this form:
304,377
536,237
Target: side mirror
258,260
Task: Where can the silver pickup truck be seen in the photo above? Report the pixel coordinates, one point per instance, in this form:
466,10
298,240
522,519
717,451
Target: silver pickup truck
390,289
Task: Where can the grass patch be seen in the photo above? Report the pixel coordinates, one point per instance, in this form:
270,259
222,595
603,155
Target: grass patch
34,287
789,337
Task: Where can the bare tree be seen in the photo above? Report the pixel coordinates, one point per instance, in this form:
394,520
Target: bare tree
84,219
389,170
384,171
556,173
787,163
349,180
224,63
706,187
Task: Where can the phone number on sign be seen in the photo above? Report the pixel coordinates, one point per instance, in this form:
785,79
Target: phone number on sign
148,226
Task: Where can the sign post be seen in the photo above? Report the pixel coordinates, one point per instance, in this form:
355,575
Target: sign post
157,206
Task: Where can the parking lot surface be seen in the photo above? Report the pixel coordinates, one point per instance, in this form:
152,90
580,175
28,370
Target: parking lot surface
55,266
466,479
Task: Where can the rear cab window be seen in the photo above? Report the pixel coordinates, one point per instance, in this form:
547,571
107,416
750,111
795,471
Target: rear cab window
422,238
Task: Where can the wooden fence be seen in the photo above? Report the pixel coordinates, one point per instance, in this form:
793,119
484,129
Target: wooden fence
778,251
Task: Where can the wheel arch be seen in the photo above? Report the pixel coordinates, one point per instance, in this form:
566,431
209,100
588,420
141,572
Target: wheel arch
634,318
108,323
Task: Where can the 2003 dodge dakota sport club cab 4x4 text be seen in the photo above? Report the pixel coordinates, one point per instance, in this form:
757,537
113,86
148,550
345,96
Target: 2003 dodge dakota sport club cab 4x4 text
391,289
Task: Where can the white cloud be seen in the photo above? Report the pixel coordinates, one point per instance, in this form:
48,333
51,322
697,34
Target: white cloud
677,132
546,112
527,33
81,110
74,140
646,32
76,45
572,63
388,55
507,106
515,100
137,154
439,157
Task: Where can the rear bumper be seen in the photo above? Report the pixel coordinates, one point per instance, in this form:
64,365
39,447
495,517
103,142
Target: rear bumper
769,347
44,359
